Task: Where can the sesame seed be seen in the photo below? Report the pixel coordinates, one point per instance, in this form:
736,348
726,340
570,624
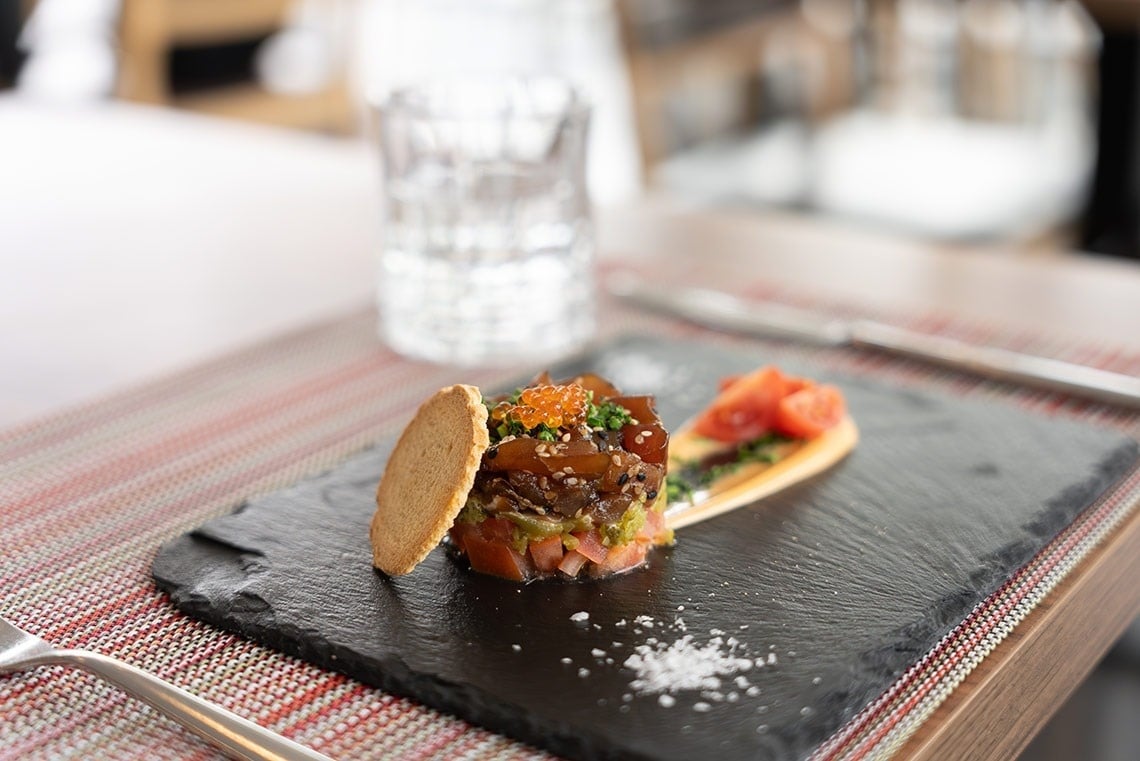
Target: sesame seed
647,434
567,470
639,439
572,481
641,476
566,437
622,479
615,459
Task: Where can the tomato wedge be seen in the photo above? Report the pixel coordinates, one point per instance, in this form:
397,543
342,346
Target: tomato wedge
810,411
746,409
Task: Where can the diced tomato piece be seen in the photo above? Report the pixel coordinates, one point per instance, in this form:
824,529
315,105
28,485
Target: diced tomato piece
622,558
726,382
649,442
746,409
572,563
810,411
546,553
497,530
459,532
590,545
495,558
796,383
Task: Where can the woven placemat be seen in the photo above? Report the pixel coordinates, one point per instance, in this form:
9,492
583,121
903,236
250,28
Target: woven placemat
87,496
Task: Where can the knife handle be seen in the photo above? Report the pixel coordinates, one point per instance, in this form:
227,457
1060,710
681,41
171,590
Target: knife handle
1040,372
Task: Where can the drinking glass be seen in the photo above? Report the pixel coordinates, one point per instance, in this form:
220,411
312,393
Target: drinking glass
488,246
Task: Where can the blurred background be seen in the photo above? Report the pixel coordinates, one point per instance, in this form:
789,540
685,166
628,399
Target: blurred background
1004,124
963,120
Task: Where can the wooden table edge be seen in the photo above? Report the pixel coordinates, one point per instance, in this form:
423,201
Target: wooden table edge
1013,692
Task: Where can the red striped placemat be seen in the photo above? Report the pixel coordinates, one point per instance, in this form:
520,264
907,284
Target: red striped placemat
87,496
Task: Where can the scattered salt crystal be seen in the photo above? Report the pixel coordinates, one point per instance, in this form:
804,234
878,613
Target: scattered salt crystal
516,648
701,706
567,661
817,680
741,682
680,608
583,673
685,664
771,659
806,711
598,653
761,729
666,700
732,697
752,691
716,632
580,616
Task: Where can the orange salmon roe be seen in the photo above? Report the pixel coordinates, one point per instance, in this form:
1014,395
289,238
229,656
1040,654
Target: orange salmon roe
556,406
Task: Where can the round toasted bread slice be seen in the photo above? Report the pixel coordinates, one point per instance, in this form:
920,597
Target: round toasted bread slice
428,476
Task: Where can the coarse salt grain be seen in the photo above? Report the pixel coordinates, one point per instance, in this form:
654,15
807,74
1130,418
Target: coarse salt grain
580,616
684,665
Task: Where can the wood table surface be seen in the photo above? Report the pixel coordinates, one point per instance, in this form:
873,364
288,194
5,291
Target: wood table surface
142,245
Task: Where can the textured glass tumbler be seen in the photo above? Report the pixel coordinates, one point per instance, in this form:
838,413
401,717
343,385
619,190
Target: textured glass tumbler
488,246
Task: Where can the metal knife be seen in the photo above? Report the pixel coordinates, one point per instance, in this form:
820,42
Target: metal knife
723,311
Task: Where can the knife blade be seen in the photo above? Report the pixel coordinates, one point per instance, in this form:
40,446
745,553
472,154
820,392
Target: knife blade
723,311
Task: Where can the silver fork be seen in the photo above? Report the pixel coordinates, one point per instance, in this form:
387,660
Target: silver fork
234,735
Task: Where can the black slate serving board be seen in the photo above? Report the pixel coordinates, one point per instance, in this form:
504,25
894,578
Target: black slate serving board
845,579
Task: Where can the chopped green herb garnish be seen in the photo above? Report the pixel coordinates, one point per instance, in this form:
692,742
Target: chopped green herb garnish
687,477
607,415
762,450
678,489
